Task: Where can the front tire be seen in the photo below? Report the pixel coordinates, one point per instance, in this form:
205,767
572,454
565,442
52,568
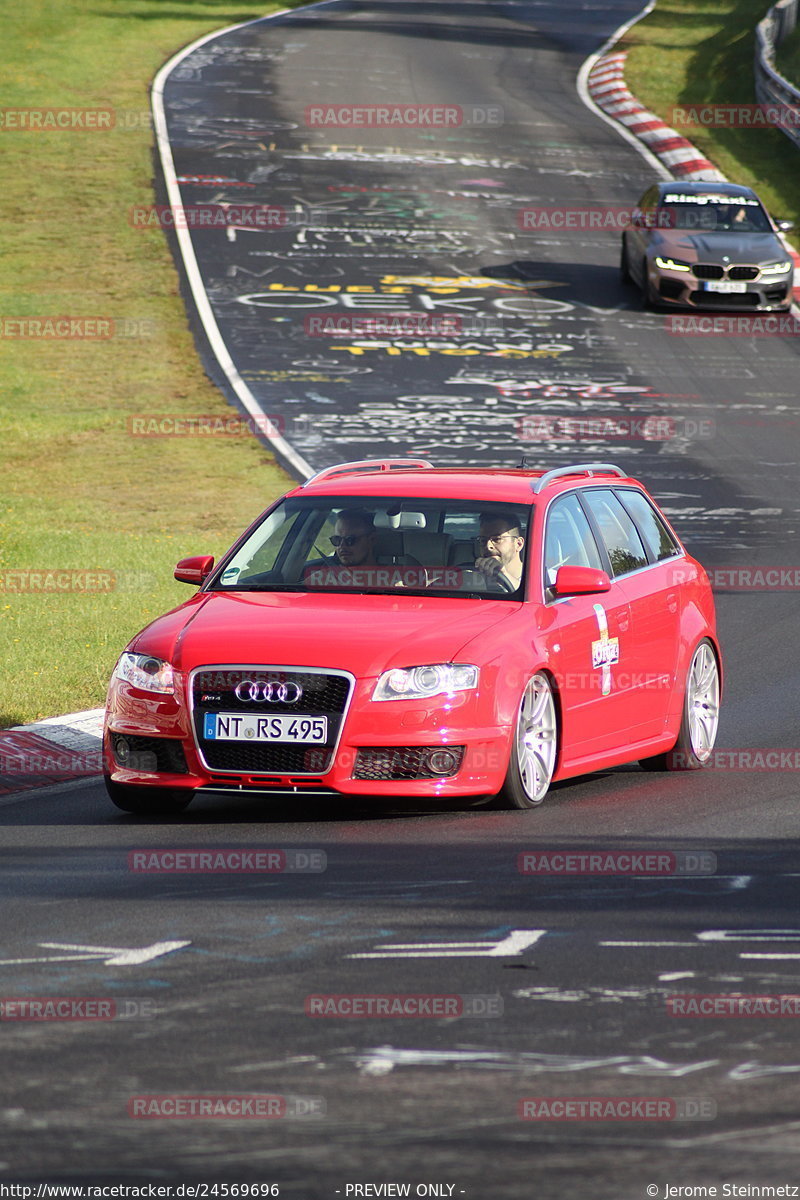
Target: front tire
534,747
624,265
700,718
148,801
650,299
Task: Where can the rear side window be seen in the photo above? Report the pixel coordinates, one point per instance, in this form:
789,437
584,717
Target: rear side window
657,537
622,541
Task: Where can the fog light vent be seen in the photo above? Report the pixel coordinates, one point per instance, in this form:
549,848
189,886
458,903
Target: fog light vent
408,762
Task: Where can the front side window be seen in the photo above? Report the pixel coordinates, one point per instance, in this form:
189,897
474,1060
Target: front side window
621,538
382,544
569,540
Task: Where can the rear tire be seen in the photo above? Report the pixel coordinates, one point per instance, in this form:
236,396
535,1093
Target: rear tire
534,748
148,801
700,718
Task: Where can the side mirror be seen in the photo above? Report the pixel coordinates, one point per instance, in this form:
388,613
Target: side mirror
194,570
784,225
580,581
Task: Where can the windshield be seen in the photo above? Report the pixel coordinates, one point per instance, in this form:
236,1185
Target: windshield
711,212
383,544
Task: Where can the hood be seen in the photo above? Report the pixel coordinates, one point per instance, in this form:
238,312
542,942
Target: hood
361,634
710,247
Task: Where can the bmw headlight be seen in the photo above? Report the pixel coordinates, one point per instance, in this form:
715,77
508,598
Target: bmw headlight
672,264
778,268
145,672
420,683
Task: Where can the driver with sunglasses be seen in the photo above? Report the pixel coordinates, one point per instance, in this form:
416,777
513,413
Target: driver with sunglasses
353,539
353,542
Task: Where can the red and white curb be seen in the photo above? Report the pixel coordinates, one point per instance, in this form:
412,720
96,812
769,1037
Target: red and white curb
606,86
52,751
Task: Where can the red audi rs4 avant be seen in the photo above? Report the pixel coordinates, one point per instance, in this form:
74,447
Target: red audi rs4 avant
389,628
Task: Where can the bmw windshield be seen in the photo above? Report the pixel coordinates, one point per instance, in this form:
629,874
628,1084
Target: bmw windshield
382,544
709,213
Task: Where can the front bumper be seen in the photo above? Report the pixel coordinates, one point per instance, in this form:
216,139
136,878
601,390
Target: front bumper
157,735
684,290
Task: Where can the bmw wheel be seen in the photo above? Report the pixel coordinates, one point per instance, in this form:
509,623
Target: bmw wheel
649,297
534,747
624,265
700,718
151,802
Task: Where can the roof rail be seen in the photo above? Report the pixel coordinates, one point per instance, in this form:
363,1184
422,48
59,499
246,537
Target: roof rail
539,484
368,465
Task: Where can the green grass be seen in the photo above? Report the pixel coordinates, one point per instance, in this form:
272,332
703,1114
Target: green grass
701,52
77,491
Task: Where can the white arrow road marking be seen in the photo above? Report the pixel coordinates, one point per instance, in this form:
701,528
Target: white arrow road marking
514,943
113,956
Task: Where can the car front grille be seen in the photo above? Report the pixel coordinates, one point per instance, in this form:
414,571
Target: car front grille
714,271
322,694
707,271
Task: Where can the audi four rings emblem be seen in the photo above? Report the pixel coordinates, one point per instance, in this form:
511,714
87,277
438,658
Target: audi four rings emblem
253,690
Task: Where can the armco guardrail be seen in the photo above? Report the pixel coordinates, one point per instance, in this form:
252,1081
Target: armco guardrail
771,87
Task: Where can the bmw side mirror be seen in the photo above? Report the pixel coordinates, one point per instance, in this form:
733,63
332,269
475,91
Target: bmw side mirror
194,570
784,225
580,581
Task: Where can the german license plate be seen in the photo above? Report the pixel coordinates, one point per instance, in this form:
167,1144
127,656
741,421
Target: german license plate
240,727
725,285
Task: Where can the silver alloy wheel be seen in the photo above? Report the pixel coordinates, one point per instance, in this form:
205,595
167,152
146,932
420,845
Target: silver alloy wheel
702,701
536,738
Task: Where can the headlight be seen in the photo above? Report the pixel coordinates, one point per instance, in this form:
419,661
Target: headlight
672,264
145,672
420,683
778,268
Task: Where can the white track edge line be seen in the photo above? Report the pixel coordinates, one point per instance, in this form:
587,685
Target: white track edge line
582,87
199,294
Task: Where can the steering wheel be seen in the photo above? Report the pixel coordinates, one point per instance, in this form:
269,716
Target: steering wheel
475,580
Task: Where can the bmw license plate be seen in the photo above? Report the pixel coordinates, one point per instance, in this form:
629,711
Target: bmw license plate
725,285
236,727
